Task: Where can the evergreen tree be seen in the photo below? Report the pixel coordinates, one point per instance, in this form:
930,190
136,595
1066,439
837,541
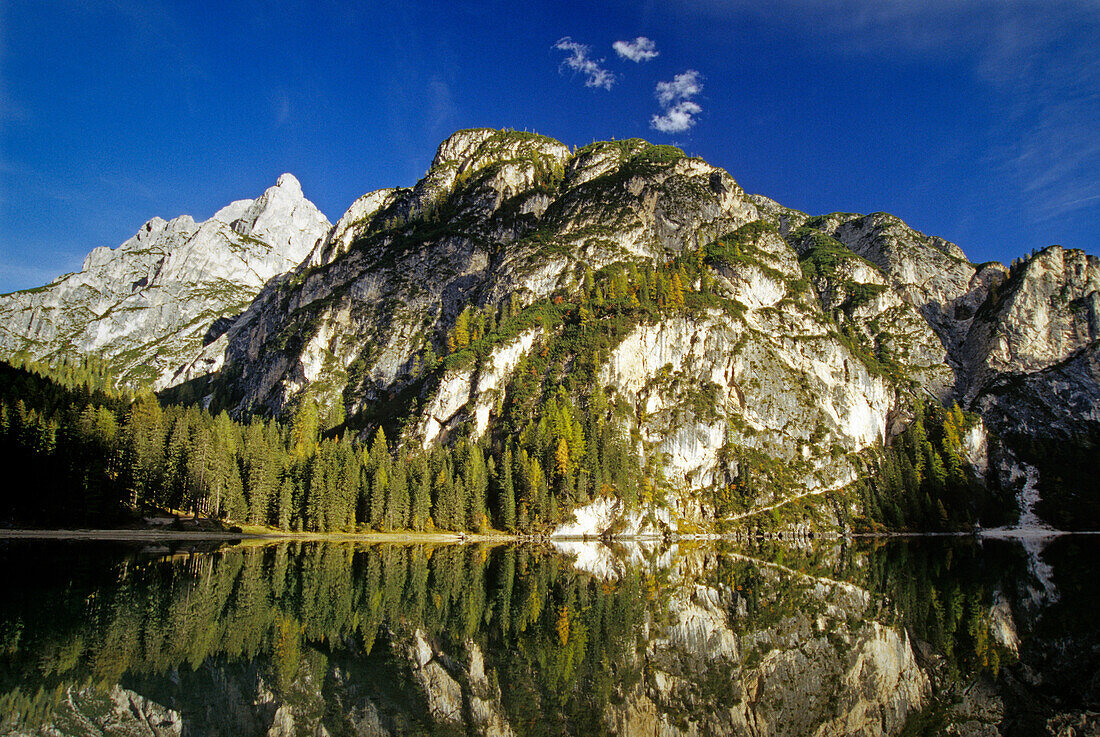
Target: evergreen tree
507,492
397,500
145,438
421,494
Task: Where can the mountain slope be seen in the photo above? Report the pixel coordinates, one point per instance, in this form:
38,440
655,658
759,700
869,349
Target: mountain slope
150,304
517,271
635,338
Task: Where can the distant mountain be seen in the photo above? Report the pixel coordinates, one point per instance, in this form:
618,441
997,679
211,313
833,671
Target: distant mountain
625,305
152,303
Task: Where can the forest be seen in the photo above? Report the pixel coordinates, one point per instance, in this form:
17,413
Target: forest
83,451
924,483
96,454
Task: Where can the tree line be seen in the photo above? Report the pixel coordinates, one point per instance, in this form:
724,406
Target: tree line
923,482
91,453
81,453
563,639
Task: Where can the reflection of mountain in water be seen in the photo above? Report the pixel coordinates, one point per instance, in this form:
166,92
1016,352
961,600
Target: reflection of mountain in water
755,648
341,639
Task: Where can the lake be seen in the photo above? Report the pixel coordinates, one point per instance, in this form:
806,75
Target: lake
930,635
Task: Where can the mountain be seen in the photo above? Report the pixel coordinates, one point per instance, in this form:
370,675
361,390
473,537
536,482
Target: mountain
149,305
648,348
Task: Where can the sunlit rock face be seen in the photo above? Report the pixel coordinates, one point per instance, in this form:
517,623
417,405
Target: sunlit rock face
1032,349
150,305
507,219
499,216
807,344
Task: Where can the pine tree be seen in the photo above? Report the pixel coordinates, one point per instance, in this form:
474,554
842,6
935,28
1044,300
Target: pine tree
306,424
421,494
315,496
460,333
442,497
476,475
457,506
378,470
284,511
145,451
676,293
397,500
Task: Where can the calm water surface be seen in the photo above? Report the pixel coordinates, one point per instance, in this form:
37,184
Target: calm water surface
923,636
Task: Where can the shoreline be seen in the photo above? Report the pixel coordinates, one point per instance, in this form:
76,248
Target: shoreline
154,535
439,537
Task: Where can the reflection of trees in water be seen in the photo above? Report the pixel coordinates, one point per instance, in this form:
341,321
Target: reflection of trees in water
944,591
278,604
330,627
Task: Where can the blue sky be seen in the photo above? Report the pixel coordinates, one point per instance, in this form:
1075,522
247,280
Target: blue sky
976,121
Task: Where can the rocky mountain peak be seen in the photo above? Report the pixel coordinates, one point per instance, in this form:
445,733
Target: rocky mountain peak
290,182
147,305
283,217
461,144
731,330
1048,310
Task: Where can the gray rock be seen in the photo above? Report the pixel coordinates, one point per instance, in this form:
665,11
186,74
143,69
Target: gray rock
150,305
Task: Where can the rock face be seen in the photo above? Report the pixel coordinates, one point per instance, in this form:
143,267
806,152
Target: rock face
1031,352
499,215
508,219
150,305
817,334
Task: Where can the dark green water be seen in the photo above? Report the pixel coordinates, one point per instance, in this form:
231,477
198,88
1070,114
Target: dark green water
900,637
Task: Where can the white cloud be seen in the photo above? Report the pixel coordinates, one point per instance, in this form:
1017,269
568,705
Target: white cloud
676,99
682,87
639,50
580,61
677,118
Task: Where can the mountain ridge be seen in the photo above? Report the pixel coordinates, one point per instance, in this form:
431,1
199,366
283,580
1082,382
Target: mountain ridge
169,284
723,336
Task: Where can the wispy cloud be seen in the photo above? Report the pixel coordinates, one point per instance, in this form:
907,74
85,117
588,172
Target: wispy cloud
675,98
581,61
639,50
280,106
1048,80
441,102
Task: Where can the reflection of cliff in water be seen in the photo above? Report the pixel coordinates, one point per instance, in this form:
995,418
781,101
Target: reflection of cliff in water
681,640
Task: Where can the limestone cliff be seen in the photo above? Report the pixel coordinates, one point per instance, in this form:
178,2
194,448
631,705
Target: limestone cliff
149,306
737,347
818,332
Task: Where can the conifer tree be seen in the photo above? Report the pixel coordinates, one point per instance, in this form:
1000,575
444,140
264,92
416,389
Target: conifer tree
421,494
397,500
145,449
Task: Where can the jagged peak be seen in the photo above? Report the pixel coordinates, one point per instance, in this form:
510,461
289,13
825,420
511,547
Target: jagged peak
288,181
1075,264
266,216
286,187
